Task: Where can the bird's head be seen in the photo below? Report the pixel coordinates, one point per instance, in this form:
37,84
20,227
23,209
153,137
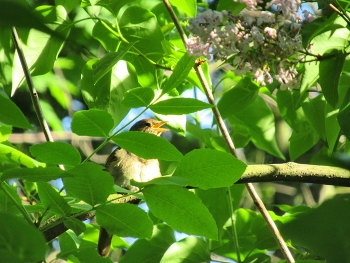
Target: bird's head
150,126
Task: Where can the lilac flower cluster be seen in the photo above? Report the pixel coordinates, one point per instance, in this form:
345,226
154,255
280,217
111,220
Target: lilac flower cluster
264,44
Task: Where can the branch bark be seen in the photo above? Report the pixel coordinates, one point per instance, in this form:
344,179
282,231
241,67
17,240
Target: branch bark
295,172
286,172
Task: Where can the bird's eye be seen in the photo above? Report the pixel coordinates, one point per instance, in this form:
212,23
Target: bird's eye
147,124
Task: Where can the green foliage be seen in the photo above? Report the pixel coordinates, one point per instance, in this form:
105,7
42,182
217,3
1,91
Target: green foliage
125,220
181,209
106,63
206,168
148,146
12,115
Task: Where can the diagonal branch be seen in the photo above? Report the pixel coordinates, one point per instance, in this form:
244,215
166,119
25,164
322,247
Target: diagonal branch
33,94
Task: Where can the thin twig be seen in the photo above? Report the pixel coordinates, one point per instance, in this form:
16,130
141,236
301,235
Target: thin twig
33,94
345,17
230,144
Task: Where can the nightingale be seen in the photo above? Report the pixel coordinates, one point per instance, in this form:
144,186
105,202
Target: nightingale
124,166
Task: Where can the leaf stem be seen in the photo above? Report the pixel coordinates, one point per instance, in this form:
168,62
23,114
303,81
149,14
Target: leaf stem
19,207
111,136
119,35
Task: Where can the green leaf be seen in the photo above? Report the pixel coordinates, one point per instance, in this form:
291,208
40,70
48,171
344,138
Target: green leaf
302,141
10,154
150,250
125,220
304,230
289,104
50,115
41,49
56,153
92,122
330,71
164,180
194,249
105,64
147,146
69,5
179,74
52,200
181,209
310,75
216,200
207,168
176,123
10,114
7,204
75,224
138,97
234,7
34,174
260,121
179,106
67,244
89,183
332,35
344,115
107,39
108,92
238,98
187,6
5,132
18,239
315,113
137,23
207,136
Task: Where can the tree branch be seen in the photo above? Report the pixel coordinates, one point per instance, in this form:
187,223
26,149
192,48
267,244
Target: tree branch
294,172
287,172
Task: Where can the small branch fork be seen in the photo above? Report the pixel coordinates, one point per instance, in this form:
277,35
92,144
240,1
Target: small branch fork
256,199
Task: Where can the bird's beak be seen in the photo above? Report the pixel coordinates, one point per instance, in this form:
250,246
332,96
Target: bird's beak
158,125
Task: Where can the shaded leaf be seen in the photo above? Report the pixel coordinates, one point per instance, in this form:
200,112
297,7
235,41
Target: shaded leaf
138,97
10,114
76,225
108,92
330,71
180,73
302,141
106,63
125,220
260,121
179,106
52,200
17,240
150,250
315,113
195,249
238,98
88,182
34,174
11,154
41,49
180,209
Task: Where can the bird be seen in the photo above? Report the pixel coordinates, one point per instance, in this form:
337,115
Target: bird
124,166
